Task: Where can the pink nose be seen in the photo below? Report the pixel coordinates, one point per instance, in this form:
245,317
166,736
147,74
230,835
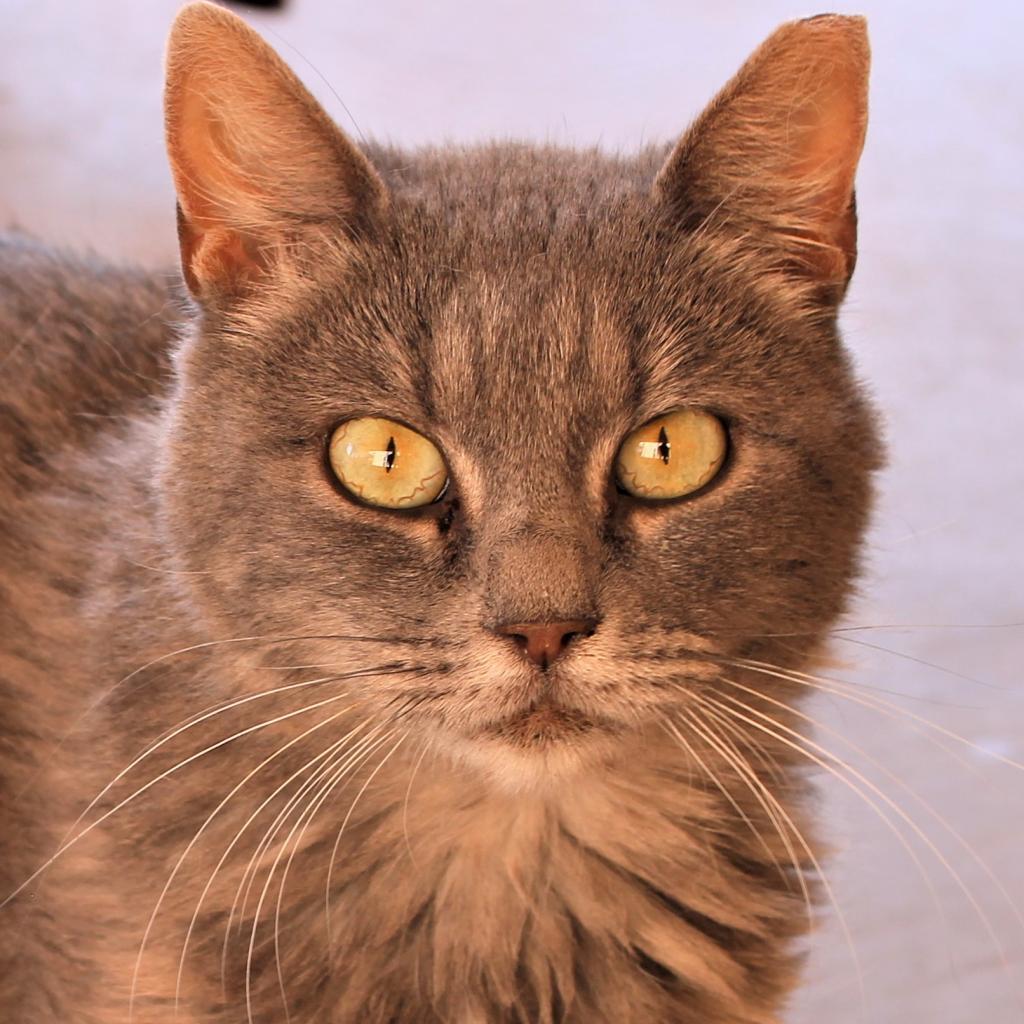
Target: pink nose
542,642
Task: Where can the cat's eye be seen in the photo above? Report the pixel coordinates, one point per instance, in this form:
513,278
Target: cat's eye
386,463
672,455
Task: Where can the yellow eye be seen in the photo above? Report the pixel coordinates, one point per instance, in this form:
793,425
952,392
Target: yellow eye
672,455
387,464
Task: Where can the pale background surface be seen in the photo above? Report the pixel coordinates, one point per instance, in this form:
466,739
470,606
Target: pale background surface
933,318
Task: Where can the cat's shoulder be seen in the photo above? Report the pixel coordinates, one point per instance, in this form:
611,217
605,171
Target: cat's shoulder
82,341
53,299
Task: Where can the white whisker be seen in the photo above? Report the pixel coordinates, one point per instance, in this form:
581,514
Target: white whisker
195,839
337,750
747,710
929,809
352,761
405,803
341,831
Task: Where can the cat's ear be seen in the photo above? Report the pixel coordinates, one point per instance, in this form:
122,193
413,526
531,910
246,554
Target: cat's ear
776,152
255,159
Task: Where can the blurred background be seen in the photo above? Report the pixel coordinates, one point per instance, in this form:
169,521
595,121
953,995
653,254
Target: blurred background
933,319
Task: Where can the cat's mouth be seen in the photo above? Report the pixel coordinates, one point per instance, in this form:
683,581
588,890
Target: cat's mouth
544,721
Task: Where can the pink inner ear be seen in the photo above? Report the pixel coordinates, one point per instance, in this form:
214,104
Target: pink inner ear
214,185
825,165
826,144
825,61
215,256
212,197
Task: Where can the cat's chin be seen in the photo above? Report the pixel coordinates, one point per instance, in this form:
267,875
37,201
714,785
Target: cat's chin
542,725
540,747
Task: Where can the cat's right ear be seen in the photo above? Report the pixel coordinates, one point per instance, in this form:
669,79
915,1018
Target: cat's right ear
256,161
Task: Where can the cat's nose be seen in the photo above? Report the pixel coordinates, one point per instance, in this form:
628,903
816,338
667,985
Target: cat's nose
543,642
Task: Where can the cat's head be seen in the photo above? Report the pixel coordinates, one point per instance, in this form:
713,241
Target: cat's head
535,438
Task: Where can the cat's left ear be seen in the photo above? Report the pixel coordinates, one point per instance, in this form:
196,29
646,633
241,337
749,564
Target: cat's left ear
256,161
775,153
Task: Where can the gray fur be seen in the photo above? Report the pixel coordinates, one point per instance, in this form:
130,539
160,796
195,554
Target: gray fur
165,500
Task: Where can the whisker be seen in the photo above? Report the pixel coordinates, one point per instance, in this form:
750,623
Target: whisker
855,695
763,794
210,644
768,763
843,688
339,751
923,662
872,788
819,871
752,781
880,766
336,749
195,839
298,842
931,625
353,760
217,709
777,815
341,831
408,793
718,658
325,774
326,753
720,786
296,845
278,639
872,628
159,778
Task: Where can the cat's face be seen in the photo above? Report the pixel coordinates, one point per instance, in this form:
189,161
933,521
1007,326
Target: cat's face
525,311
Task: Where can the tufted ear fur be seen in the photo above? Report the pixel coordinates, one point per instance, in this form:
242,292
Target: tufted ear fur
776,152
255,159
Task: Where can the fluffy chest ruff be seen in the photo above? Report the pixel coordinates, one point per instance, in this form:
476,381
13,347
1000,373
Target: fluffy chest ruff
445,899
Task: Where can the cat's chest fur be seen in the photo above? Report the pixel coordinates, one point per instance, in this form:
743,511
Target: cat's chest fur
624,900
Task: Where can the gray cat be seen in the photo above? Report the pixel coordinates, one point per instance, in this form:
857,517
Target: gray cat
407,625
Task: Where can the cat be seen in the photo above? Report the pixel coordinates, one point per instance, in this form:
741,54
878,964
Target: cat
403,620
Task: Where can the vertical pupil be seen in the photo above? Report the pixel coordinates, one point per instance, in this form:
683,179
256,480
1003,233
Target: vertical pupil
389,458
664,447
